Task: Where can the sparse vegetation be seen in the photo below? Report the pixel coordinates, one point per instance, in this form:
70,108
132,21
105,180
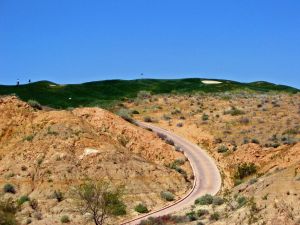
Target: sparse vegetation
214,216
9,188
205,117
58,195
204,200
23,199
141,208
125,114
166,219
166,195
217,200
234,111
99,199
65,219
35,104
222,149
245,169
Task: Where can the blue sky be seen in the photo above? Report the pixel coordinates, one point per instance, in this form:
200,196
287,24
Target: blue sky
72,41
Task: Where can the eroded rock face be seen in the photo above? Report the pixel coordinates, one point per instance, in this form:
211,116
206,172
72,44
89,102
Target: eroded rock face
43,151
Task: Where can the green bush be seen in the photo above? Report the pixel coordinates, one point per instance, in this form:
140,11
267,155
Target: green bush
218,201
191,215
23,199
9,188
234,111
244,170
125,114
205,117
204,200
28,138
140,208
166,195
241,201
202,212
34,104
222,149
65,219
215,216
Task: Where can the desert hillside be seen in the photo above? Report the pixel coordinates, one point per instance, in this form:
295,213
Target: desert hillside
255,140
45,152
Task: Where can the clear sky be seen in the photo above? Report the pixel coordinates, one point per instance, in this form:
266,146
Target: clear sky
72,41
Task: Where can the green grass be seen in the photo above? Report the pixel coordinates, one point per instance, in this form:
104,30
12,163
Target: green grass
109,92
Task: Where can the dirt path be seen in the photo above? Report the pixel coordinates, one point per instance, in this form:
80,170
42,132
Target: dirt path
207,176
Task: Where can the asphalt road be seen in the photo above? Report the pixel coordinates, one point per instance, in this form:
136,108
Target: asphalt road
207,179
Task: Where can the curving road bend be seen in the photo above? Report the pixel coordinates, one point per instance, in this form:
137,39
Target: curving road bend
207,176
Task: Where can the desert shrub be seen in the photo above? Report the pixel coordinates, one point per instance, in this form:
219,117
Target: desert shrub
182,118
65,219
162,136
125,114
143,95
222,149
8,210
166,117
241,201
28,221
23,199
28,137
166,195
140,208
215,216
244,120
204,200
175,111
179,161
119,208
205,117
245,140
179,124
135,112
234,111
200,223
34,104
244,170
148,119
178,149
218,200
170,142
255,141
202,212
163,220
9,188
58,195
191,216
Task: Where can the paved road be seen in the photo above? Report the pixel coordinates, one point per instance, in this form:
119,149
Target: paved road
207,176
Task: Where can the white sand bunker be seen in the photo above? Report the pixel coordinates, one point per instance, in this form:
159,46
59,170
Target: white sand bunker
211,82
52,85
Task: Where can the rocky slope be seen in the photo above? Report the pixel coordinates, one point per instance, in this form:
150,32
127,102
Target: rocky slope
43,151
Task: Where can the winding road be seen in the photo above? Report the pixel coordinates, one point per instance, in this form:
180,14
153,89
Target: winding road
207,179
